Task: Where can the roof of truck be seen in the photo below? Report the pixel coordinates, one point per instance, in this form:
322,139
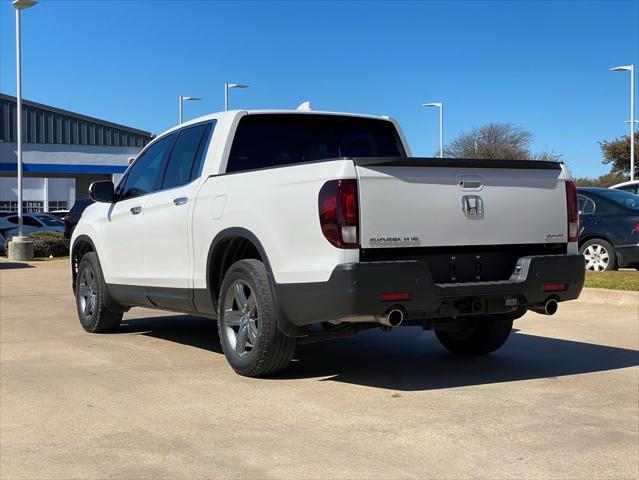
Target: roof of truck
233,113
230,113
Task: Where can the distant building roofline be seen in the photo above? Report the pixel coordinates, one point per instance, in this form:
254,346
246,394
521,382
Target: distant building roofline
79,116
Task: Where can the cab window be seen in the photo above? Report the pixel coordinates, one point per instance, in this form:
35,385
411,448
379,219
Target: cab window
145,175
184,163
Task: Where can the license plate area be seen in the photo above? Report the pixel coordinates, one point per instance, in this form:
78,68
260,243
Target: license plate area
465,264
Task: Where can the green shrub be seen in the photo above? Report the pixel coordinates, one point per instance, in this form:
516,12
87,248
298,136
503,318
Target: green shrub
45,244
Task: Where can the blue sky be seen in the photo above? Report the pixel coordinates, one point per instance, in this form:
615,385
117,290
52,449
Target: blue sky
541,65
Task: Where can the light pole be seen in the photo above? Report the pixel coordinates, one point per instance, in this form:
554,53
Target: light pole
631,69
181,100
22,251
441,124
227,86
477,142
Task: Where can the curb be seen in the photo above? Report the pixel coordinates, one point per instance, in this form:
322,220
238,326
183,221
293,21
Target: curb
622,298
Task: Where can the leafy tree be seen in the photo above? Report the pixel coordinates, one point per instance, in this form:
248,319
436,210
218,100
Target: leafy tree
495,141
603,181
617,154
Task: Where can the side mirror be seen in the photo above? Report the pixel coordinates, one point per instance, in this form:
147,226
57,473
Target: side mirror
102,191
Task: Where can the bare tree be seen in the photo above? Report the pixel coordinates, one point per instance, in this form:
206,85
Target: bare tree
495,141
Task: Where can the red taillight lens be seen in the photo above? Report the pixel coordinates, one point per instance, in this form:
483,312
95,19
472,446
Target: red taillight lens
555,287
339,213
636,229
394,296
573,211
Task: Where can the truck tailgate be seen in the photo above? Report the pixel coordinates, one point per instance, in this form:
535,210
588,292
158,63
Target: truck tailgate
415,202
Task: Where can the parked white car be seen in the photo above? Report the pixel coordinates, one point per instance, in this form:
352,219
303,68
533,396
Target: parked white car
291,226
631,186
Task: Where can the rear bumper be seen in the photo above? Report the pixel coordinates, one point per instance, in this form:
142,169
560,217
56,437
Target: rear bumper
627,255
352,292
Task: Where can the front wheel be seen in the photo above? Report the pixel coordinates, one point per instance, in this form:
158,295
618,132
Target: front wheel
252,342
90,297
485,335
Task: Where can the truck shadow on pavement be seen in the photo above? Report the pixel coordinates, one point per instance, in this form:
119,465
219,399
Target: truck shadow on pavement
8,265
409,359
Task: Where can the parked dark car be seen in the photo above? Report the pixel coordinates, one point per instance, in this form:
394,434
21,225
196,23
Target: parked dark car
609,228
72,218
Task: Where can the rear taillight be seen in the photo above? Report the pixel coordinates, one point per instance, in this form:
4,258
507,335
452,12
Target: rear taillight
572,211
339,213
636,229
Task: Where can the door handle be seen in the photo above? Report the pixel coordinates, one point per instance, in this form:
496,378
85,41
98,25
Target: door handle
180,200
135,210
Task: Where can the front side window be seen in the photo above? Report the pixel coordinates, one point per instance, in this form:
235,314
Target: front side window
184,163
270,140
145,175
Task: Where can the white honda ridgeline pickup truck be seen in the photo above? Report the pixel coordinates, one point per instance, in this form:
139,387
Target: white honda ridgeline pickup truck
290,226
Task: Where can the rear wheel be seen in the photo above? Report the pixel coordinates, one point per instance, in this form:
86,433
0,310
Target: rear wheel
90,297
599,255
250,338
484,335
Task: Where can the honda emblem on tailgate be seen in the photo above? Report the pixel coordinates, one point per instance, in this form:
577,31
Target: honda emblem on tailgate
472,205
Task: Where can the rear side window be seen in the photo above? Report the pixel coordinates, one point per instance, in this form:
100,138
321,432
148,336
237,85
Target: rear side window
28,221
145,175
586,205
185,162
263,141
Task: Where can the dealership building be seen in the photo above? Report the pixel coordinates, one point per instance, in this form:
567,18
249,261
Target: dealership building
62,153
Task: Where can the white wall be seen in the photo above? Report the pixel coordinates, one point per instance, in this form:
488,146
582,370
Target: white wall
60,189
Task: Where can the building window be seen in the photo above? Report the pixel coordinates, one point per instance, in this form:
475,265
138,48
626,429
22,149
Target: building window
57,205
27,206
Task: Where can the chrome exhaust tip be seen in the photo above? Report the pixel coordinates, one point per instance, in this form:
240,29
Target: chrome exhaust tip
549,308
393,317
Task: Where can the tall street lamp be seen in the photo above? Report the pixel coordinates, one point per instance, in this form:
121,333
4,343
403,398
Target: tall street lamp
19,6
441,124
227,86
181,100
631,69
477,138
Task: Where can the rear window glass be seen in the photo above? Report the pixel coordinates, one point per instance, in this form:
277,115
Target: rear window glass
620,197
263,141
50,221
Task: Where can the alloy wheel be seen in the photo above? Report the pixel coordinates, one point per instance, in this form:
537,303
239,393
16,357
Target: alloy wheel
597,257
87,293
241,318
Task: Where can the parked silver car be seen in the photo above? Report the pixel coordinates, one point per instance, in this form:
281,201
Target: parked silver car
32,222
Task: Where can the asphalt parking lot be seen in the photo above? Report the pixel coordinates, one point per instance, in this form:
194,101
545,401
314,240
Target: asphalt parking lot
157,399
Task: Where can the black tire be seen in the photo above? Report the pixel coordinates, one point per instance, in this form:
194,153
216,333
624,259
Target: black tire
486,335
90,297
595,243
262,349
